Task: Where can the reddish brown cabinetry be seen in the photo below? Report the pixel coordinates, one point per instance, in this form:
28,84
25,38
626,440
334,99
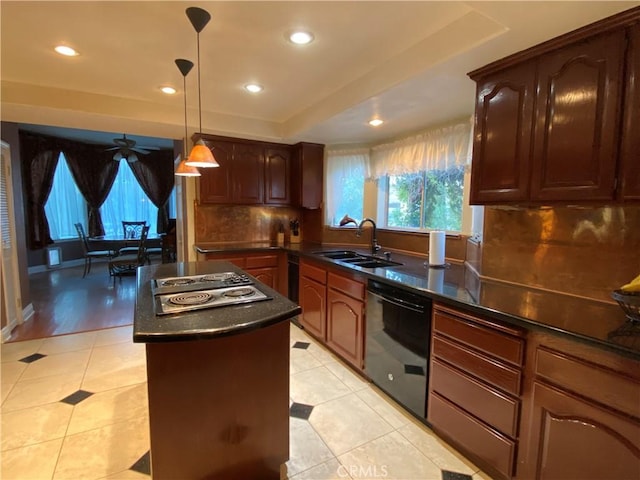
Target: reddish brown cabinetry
502,141
277,170
307,175
630,159
474,387
345,318
250,173
313,299
581,415
555,123
262,266
333,310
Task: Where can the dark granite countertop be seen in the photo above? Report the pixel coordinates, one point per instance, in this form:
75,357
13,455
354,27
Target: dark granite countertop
595,322
206,323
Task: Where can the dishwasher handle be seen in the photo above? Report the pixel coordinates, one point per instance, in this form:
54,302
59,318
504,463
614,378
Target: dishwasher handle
398,302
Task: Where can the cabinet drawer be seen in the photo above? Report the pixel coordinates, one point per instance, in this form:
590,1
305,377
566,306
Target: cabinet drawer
479,337
490,406
597,383
346,285
237,261
262,261
478,440
491,371
315,273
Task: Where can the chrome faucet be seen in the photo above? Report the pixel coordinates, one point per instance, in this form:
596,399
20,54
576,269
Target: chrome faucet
374,240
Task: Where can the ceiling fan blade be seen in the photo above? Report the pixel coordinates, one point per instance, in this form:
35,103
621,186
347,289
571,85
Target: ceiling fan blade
148,147
140,150
112,148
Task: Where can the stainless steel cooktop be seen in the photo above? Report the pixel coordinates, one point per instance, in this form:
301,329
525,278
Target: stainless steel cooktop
211,298
192,283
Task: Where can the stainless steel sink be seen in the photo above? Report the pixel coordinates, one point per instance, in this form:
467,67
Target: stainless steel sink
377,263
338,254
357,259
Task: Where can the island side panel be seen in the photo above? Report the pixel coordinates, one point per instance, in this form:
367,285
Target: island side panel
219,408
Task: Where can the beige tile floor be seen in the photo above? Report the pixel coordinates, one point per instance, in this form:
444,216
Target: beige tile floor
353,431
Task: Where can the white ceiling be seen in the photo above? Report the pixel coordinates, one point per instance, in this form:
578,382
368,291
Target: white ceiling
404,61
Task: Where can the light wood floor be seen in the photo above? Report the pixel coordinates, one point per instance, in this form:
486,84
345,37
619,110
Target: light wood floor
64,302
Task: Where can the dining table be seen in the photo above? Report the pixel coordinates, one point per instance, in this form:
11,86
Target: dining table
116,242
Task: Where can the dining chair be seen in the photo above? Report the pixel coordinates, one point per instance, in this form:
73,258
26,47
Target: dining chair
88,252
131,231
128,264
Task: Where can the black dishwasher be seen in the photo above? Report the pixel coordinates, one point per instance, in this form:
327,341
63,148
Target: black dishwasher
397,344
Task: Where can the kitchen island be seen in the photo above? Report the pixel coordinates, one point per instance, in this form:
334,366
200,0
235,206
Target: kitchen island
218,381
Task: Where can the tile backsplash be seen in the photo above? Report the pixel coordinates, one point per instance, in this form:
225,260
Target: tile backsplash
580,251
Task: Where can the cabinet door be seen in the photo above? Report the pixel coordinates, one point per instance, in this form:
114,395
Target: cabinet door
577,111
215,183
267,275
573,439
313,302
345,326
277,170
307,180
503,125
248,173
630,159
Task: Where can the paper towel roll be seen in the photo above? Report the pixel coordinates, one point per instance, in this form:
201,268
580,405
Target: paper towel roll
437,240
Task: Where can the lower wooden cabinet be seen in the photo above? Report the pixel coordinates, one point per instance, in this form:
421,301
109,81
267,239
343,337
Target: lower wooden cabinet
312,292
581,413
333,310
262,266
474,387
575,439
345,318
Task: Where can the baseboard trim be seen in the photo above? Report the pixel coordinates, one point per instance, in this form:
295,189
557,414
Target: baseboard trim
66,264
6,331
28,312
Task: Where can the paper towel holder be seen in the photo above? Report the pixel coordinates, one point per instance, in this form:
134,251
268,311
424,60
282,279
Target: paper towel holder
444,265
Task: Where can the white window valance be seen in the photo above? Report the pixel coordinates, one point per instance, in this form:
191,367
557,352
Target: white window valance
437,149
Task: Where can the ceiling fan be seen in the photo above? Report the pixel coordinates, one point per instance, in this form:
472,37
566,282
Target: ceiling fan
126,148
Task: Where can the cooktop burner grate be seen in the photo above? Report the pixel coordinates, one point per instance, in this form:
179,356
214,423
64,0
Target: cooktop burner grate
210,298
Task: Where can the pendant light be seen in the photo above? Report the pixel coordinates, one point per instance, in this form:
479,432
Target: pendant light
201,155
183,169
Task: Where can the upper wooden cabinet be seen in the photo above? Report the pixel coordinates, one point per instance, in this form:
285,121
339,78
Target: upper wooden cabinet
307,175
630,158
502,135
277,170
555,123
258,173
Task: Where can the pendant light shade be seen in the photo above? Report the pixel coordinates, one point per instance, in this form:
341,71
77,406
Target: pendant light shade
201,155
183,169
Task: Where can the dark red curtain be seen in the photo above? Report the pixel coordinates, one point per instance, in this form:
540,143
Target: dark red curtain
94,172
154,173
39,158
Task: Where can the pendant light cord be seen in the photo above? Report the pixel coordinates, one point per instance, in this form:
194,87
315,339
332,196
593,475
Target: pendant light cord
199,94
184,89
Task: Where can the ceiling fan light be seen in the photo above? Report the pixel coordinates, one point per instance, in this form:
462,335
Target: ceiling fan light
185,170
117,156
132,157
201,156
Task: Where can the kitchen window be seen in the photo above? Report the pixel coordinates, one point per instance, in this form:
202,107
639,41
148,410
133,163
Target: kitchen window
345,173
431,200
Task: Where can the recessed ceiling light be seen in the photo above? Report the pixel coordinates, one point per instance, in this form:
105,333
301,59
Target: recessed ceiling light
375,122
67,51
301,37
168,90
253,88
